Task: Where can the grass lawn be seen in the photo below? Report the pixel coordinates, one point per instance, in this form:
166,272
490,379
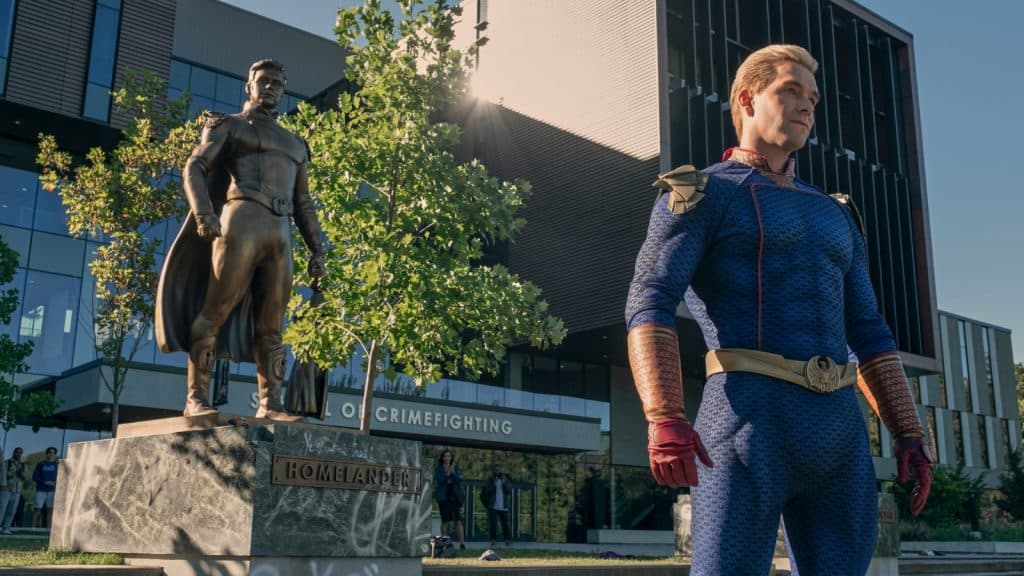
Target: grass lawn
541,557
36,552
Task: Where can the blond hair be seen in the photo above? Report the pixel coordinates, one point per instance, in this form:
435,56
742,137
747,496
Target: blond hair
758,71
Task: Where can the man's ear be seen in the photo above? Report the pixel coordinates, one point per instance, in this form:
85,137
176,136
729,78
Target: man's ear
746,101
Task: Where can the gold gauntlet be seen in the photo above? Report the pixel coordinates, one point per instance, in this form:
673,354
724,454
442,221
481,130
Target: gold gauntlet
654,358
885,386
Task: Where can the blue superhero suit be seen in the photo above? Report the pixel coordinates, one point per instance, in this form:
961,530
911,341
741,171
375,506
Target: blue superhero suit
779,268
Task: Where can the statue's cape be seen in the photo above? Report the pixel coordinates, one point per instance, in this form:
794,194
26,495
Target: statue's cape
182,289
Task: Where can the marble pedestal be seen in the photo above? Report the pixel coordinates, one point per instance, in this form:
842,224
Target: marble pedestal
883,563
210,501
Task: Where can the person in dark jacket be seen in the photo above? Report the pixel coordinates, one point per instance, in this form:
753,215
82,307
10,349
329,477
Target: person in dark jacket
448,493
497,497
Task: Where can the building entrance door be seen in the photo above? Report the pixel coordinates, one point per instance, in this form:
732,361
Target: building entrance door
522,512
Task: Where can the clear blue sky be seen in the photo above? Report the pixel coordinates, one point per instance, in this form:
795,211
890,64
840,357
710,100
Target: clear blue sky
970,85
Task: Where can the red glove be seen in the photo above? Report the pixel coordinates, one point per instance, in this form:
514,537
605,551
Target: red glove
910,453
671,444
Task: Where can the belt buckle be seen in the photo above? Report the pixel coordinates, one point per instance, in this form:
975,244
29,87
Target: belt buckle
822,374
281,206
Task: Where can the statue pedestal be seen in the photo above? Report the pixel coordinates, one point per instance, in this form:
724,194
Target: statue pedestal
253,497
887,550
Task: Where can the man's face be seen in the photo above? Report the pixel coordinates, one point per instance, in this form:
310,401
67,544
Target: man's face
51,455
266,88
17,453
784,110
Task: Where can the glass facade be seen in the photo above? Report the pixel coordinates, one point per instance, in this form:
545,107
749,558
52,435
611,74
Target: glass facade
557,498
958,437
1004,436
7,9
874,426
102,58
965,364
215,91
18,189
932,439
989,383
982,459
943,393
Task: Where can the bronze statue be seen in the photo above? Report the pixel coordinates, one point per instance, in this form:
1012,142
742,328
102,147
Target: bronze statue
227,278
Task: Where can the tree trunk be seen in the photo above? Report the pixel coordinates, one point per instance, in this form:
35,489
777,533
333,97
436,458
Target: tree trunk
114,408
371,375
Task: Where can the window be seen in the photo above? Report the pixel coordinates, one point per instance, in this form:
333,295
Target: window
17,196
1004,429
932,434
915,388
50,214
49,320
17,283
988,371
982,442
102,56
6,32
958,437
215,91
943,401
874,426
965,365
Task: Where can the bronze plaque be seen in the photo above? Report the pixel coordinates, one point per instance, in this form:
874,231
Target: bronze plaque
344,475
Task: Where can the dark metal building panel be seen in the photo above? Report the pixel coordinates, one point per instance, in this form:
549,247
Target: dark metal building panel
147,36
50,54
585,220
1003,365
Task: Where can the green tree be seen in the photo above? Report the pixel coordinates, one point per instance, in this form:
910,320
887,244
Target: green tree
1018,372
1011,485
118,197
406,224
954,498
15,407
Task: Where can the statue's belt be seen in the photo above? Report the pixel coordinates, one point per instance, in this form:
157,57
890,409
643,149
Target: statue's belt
279,206
819,374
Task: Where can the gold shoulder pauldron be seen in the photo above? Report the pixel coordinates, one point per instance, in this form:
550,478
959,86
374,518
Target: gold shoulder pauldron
847,201
685,187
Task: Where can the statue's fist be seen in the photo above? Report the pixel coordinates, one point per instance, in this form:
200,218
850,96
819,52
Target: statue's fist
208,225
315,268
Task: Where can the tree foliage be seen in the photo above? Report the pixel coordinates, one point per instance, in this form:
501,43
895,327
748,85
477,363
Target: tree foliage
15,407
1011,484
116,198
1018,372
954,498
406,224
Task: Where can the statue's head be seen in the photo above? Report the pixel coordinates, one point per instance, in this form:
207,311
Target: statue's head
267,79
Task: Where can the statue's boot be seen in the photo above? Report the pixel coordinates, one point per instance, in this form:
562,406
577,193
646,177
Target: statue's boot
270,364
201,360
